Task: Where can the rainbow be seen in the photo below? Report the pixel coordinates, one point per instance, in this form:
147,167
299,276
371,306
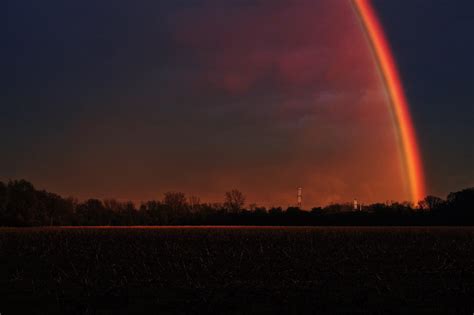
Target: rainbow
411,157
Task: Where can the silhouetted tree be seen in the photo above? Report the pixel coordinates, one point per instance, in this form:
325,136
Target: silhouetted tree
57,209
175,200
275,211
234,201
317,210
338,208
176,204
123,213
155,213
431,203
293,210
22,205
93,212
194,204
260,210
461,203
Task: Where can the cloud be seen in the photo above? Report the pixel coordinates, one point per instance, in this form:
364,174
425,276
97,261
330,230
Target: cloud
291,46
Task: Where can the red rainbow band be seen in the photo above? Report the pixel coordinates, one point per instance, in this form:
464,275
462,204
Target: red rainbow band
409,145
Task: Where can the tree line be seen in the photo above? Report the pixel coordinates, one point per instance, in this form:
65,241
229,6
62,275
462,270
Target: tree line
21,204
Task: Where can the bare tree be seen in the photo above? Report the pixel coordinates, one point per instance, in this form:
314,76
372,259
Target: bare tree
176,201
234,201
194,203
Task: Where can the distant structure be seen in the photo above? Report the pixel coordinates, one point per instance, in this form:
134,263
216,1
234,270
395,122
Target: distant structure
300,197
355,205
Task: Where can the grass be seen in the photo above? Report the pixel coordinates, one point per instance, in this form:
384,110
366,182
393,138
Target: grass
237,269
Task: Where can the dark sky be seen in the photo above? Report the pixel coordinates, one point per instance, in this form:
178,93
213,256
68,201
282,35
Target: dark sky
132,99
434,47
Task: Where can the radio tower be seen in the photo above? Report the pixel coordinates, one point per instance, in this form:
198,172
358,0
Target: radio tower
300,197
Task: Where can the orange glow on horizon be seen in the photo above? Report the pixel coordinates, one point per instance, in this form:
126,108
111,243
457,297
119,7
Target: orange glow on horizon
386,63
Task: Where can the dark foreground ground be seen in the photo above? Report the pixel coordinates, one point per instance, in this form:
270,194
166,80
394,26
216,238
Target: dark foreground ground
234,270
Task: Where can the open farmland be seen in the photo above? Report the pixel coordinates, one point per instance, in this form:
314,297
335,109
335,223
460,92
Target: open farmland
234,269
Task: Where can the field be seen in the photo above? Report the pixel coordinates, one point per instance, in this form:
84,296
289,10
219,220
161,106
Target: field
236,269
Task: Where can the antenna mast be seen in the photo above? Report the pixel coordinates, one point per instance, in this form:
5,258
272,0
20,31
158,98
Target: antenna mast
300,197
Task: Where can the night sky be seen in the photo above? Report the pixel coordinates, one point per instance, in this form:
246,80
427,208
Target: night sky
129,100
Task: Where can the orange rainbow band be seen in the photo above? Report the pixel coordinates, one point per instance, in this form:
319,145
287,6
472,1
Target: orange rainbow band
409,146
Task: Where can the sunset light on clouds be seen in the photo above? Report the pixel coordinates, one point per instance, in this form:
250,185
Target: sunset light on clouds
263,96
